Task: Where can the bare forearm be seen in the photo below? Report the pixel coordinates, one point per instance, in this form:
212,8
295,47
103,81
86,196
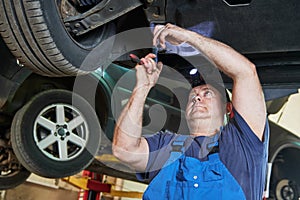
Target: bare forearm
226,59
128,144
128,129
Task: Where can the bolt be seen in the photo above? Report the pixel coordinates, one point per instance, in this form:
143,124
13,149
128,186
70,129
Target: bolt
155,15
150,1
55,134
77,25
75,31
61,132
67,24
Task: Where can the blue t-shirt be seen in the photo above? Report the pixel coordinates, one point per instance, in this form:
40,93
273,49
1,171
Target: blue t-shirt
240,150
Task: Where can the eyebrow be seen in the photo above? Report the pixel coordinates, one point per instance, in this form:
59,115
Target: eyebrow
193,92
202,89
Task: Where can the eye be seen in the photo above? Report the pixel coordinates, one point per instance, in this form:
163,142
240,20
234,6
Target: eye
208,94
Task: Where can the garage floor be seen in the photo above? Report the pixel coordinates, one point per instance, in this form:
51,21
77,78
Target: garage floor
30,191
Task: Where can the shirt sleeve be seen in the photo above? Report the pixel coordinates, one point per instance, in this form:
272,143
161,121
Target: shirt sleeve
239,144
157,143
248,136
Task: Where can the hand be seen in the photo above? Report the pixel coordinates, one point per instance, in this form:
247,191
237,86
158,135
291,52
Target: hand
148,73
171,33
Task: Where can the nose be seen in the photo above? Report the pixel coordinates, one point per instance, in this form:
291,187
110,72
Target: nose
197,98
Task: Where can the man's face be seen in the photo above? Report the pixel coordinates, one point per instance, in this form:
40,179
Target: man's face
205,102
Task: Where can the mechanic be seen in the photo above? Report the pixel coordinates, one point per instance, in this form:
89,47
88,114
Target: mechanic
216,161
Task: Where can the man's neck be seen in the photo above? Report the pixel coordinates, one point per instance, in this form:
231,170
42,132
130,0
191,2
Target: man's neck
207,133
203,129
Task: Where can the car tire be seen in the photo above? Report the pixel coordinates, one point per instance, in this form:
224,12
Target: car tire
35,33
56,134
13,178
286,190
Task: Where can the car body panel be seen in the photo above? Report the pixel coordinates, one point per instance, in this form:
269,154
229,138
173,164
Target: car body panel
260,27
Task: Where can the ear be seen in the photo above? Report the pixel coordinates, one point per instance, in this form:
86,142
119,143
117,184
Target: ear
229,109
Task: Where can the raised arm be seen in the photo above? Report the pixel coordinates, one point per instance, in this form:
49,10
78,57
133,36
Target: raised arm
247,95
128,145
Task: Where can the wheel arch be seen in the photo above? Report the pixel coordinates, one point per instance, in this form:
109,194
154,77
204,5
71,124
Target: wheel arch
282,146
284,160
35,84
32,85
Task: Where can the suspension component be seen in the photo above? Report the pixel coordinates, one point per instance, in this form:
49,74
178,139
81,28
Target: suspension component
8,160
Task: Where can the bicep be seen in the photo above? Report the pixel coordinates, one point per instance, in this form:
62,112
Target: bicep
248,100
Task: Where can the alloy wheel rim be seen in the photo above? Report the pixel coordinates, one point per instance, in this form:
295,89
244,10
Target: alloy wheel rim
60,132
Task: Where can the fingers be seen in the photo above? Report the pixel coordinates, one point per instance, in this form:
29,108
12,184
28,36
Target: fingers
161,38
157,31
151,55
149,64
159,66
171,33
168,25
160,33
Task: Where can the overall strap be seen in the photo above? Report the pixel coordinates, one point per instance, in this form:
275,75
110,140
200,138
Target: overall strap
178,148
213,147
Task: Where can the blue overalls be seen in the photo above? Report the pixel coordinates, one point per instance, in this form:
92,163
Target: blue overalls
188,178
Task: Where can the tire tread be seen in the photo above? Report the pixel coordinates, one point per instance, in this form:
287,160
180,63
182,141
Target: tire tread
22,31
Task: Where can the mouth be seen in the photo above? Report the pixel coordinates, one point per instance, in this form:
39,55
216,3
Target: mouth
199,108
196,105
